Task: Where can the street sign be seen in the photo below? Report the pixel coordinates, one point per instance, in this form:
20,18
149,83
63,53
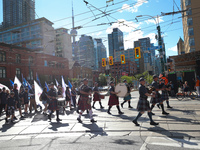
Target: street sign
154,48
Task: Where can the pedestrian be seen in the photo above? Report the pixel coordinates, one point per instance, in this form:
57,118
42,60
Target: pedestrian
32,99
128,97
53,102
45,100
165,95
186,88
84,102
73,93
143,104
3,97
26,100
68,97
172,89
157,98
10,107
113,99
96,96
18,102
197,85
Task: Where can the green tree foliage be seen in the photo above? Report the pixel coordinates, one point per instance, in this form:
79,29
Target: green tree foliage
102,80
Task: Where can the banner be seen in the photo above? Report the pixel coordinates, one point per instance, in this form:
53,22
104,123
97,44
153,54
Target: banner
38,92
47,87
57,83
16,81
69,84
1,86
63,87
37,78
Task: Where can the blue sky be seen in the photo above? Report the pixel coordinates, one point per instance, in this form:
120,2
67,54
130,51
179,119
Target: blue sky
122,15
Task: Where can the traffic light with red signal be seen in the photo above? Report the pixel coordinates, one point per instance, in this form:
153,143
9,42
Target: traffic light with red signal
137,53
110,60
123,61
103,62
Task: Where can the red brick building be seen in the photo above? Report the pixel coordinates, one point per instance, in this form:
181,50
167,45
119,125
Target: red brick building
16,60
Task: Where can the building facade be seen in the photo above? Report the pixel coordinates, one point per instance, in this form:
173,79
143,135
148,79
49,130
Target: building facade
16,12
181,46
16,60
37,35
191,23
63,45
115,42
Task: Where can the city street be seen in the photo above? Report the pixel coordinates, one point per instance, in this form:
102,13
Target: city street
179,130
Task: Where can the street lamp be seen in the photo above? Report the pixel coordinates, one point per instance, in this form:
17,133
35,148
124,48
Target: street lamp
161,51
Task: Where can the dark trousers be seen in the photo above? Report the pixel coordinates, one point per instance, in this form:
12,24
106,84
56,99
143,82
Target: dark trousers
74,100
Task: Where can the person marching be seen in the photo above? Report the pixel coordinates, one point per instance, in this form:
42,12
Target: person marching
165,95
157,98
143,103
128,97
45,100
3,99
10,107
96,96
73,93
52,94
113,99
84,101
26,100
68,97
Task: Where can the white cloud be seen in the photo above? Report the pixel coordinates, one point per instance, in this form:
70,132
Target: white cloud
99,33
133,8
173,49
156,20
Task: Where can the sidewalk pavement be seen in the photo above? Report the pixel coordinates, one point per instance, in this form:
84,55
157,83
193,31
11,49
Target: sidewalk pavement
181,126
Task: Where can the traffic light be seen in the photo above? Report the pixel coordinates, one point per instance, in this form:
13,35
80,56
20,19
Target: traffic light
137,53
103,62
123,59
169,68
110,60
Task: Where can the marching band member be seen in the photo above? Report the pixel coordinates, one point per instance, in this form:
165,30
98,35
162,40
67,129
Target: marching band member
128,97
96,96
52,94
113,99
84,101
143,103
157,98
165,90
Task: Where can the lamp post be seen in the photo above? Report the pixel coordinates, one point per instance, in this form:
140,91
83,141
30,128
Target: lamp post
161,51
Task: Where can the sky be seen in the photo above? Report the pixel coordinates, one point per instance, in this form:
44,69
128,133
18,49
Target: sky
98,17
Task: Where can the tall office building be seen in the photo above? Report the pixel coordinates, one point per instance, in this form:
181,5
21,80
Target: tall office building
16,12
115,42
101,49
191,23
86,52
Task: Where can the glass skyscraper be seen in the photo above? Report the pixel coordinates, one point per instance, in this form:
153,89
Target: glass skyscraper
16,12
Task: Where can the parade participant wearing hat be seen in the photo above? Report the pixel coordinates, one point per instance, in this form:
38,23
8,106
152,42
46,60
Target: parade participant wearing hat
143,103
157,98
10,107
128,97
165,90
52,95
26,100
84,101
96,96
32,99
113,99
68,97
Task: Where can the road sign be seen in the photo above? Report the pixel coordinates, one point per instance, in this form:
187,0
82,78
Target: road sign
155,47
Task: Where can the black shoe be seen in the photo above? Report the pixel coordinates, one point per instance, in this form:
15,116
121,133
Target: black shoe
44,113
154,123
158,105
15,118
79,120
152,113
12,121
120,113
130,107
6,120
165,113
93,121
136,123
77,111
122,105
102,107
49,117
169,107
22,117
109,112
58,119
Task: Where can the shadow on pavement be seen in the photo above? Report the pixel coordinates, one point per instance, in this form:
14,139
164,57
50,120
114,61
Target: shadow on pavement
176,136
5,127
124,142
39,117
55,125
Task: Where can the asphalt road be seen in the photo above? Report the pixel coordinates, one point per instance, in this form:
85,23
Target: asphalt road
177,131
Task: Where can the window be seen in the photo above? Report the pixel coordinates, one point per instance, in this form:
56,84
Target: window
187,2
30,60
190,31
18,58
191,41
2,56
189,11
2,72
189,22
192,50
18,72
45,63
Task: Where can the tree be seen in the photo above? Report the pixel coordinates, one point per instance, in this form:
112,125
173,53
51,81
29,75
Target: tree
102,80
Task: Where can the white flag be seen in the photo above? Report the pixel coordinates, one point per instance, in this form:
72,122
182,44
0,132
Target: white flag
16,81
63,87
38,92
1,86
